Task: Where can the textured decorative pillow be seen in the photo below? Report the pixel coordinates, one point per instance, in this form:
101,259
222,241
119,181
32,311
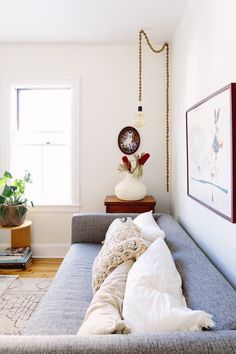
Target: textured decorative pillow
113,227
104,313
151,231
123,244
153,300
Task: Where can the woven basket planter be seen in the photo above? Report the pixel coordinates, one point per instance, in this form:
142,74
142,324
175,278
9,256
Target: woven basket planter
12,215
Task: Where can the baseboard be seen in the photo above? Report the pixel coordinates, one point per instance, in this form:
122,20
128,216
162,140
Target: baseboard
5,245
50,250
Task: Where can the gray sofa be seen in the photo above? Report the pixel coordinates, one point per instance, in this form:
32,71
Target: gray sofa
54,326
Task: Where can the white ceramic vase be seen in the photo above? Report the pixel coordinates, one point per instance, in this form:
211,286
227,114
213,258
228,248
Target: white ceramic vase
130,188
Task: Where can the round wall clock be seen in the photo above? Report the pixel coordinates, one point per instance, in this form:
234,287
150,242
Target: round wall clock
129,140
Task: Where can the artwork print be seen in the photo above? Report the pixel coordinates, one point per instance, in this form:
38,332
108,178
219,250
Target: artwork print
128,140
210,128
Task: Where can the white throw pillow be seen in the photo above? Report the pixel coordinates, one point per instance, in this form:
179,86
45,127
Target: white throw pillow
124,243
151,231
153,300
104,313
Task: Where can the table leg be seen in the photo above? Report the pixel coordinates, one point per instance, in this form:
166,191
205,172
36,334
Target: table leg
20,237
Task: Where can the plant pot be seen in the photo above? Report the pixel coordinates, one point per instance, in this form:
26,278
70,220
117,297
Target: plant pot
12,215
130,188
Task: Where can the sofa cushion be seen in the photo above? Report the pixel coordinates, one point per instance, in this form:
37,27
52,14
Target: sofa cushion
112,228
123,244
153,300
63,308
150,229
204,287
104,313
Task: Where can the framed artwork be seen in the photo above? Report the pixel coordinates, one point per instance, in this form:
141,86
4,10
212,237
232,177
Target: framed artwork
128,140
211,152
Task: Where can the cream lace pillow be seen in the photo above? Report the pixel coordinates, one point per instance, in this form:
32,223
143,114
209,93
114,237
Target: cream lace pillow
124,243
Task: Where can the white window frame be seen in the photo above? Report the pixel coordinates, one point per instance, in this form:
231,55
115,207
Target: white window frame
8,109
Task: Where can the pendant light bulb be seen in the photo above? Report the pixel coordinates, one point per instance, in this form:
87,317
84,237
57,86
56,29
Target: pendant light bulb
140,119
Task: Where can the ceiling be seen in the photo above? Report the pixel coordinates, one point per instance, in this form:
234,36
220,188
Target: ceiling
88,21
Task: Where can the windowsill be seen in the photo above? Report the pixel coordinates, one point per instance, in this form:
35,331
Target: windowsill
74,208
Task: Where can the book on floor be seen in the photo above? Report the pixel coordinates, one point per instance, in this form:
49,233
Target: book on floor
16,259
14,251
15,265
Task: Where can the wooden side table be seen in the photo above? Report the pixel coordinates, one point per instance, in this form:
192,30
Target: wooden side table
115,205
20,235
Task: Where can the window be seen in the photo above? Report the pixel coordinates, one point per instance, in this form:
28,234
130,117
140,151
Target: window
43,142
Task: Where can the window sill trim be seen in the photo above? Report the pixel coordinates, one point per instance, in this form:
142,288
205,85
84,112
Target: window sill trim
73,208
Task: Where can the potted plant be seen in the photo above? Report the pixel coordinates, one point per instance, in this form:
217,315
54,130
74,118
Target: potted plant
13,203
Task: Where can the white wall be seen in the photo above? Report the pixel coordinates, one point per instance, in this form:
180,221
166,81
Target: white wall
107,103
203,57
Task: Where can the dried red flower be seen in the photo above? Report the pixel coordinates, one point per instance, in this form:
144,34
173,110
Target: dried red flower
143,158
137,169
126,163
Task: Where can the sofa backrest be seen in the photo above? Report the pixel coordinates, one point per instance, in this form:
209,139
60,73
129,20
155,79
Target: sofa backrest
91,228
204,287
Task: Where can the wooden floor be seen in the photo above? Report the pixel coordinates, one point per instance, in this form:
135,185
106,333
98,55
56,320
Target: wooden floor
40,268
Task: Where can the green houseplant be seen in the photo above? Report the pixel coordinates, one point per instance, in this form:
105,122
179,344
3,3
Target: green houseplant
13,203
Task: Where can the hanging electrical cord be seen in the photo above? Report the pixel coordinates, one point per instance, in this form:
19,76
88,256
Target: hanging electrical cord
165,46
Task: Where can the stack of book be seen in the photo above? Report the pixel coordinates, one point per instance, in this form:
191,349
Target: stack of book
15,258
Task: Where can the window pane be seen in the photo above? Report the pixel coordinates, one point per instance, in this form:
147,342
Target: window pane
57,176
30,158
50,168
44,110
